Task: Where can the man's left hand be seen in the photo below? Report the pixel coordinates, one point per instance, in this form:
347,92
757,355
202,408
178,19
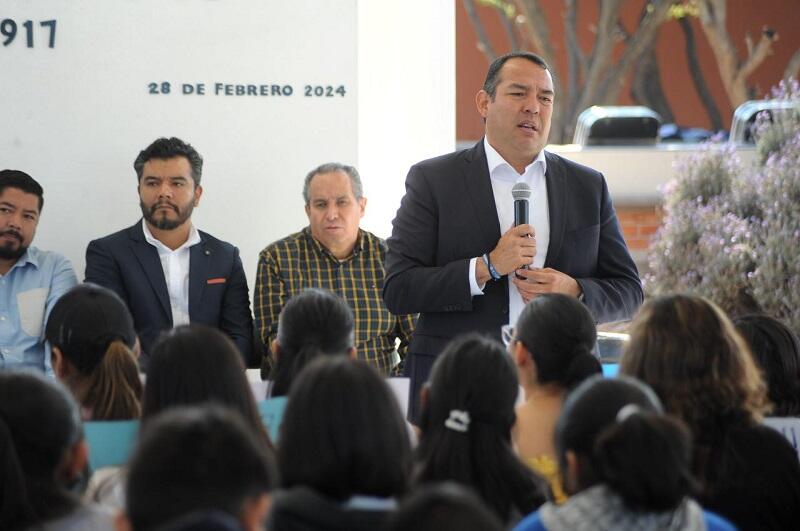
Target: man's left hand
547,280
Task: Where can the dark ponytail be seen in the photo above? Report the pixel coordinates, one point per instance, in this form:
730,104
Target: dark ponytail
560,333
645,459
618,431
313,323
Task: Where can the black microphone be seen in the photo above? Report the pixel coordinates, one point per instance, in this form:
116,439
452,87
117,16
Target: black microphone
521,193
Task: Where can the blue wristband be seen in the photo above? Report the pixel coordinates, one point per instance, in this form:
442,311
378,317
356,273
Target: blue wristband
492,271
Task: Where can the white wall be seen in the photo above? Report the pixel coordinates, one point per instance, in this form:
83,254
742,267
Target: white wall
406,105
75,116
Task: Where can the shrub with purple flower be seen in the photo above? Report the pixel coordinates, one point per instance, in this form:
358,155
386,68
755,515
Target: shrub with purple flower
731,232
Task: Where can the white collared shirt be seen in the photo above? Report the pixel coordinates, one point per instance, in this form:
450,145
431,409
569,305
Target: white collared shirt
504,177
176,272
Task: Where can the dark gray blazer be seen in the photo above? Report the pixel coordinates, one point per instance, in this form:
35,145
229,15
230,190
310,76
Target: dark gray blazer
448,216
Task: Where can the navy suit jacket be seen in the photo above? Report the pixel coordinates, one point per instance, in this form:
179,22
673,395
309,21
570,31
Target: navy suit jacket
218,295
448,216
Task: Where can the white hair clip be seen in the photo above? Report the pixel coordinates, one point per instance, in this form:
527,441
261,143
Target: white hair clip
626,411
458,421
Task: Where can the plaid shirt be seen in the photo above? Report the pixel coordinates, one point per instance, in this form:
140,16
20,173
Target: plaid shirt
298,262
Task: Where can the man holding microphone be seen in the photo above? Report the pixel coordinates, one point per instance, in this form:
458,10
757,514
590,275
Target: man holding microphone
456,256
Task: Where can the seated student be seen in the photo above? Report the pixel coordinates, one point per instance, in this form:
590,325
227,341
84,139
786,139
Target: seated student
42,456
313,323
688,351
626,465
441,506
776,350
552,348
467,411
344,454
198,468
195,364
94,350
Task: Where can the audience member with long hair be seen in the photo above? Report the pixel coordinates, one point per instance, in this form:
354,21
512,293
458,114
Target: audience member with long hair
42,456
776,349
94,348
196,364
344,454
467,412
198,468
552,347
313,323
689,352
626,465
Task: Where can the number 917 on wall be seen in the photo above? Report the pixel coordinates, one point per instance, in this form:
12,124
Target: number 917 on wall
34,34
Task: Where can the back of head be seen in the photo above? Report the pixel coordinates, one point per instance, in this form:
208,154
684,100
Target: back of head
343,433
776,349
195,364
620,437
688,351
466,425
22,181
560,333
195,459
39,424
93,330
312,323
444,506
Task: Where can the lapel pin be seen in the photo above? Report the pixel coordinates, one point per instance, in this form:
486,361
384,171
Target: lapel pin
207,252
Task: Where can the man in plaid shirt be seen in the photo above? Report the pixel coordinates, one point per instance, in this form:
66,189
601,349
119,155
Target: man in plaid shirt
333,253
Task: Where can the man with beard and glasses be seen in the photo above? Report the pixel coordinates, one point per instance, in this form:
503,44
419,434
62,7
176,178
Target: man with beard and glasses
167,271
31,280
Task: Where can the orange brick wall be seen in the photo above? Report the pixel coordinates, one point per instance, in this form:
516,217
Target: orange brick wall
639,223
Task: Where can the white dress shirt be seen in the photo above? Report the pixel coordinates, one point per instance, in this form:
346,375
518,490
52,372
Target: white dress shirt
176,272
504,177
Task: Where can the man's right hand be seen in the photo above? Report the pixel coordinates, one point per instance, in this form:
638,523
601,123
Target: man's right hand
516,248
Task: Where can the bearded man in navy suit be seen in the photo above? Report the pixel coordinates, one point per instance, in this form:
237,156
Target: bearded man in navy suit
168,272
454,255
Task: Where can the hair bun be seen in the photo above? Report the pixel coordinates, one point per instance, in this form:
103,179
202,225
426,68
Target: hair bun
583,365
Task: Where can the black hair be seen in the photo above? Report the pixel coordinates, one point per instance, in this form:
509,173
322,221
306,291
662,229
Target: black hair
167,148
23,181
493,74
440,506
312,323
776,349
475,375
195,364
343,433
622,438
559,332
199,458
39,424
93,329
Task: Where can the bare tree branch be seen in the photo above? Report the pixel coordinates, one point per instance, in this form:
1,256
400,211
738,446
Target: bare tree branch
697,75
508,25
576,66
637,45
793,67
484,45
538,30
732,70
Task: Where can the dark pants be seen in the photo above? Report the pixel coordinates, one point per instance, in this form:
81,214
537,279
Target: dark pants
417,369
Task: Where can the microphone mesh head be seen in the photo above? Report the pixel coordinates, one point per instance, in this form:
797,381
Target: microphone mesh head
521,191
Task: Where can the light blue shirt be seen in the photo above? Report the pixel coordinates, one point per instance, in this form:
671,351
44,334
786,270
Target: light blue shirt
27,295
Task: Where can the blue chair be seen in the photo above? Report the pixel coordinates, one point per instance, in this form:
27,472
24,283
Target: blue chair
110,442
